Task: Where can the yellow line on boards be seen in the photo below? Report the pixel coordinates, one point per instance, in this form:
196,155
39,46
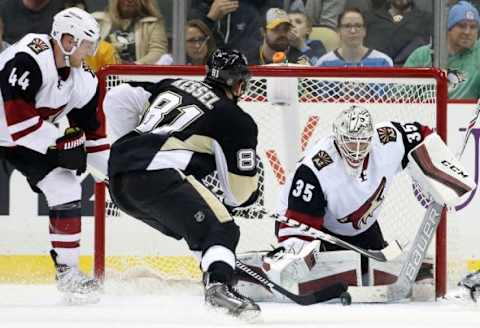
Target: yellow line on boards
39,269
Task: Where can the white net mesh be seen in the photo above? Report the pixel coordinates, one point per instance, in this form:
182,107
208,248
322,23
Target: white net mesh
284,132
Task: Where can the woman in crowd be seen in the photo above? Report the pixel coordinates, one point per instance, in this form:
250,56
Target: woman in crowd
135,28
352,51
199,43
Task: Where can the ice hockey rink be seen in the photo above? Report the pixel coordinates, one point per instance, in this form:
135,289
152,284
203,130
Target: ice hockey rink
159,304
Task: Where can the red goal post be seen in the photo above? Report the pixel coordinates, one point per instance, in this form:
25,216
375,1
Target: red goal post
318,93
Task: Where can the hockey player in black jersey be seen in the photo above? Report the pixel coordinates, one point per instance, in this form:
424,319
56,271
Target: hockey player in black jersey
43,84
189,129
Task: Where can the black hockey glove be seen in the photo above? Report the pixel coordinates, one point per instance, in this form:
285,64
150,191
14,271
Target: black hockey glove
69,151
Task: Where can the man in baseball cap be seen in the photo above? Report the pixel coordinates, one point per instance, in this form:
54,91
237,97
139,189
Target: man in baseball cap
275,40
276,17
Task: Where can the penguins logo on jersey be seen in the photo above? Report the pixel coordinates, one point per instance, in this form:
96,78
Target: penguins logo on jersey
38,45
361,215
386,134
455,78
321,159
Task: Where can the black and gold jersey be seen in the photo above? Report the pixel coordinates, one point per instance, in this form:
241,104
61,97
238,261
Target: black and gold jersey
187,125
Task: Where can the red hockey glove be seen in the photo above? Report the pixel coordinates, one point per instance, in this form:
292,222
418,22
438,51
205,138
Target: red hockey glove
69,151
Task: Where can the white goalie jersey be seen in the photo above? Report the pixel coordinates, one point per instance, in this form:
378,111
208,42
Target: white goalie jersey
321,193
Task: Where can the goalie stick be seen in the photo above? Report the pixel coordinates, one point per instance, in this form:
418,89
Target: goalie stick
335,290
393,250
401,288
403,285
469,128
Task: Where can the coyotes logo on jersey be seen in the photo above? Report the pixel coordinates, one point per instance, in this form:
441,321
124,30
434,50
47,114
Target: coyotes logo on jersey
361,215
321,159
38,45
386,134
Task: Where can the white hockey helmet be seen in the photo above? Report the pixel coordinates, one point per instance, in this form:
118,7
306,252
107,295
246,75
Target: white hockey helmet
353,132
79,24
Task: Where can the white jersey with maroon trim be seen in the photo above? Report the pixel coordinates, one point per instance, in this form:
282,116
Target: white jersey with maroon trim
35,95
321,193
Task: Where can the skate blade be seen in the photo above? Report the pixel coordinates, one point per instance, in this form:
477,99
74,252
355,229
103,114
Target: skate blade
250,316
81,299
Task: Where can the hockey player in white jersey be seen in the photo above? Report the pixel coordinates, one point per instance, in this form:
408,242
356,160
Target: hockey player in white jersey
338,187
340,184
44,82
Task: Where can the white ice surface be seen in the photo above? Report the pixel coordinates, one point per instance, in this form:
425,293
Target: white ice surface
154,305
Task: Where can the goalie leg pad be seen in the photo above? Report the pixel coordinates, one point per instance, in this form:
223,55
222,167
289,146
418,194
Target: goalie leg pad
300,274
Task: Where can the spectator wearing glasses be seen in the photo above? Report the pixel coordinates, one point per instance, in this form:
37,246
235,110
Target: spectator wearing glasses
235,24
199,44
463,52
352,51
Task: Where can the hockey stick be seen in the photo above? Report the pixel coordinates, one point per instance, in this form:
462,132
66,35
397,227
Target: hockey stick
469,128
401,288
393,250
335,290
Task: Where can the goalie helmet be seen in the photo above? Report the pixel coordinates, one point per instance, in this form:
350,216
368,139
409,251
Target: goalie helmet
353,132
227,67
79,24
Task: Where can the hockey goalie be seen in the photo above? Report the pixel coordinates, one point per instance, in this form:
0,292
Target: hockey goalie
338,188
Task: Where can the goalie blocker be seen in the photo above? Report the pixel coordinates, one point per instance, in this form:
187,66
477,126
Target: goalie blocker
438,172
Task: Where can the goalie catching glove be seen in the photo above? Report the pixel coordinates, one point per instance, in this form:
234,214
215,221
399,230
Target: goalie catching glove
69,151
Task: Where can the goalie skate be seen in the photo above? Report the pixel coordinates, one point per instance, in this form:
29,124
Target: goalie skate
77,287
223,296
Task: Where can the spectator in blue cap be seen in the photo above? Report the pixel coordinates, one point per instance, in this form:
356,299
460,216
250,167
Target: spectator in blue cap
463,52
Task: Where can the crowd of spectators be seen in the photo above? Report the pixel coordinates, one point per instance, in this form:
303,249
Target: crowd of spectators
365,32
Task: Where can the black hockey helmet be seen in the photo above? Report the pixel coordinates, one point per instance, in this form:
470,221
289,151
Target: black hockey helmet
226,67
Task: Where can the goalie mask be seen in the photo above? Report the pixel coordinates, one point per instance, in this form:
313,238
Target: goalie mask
228,68
77,23
353,132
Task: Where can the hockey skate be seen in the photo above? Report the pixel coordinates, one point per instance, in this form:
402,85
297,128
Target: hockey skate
221,295
76,287
472,284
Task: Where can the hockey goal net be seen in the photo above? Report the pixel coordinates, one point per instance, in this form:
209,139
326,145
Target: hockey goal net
292,107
